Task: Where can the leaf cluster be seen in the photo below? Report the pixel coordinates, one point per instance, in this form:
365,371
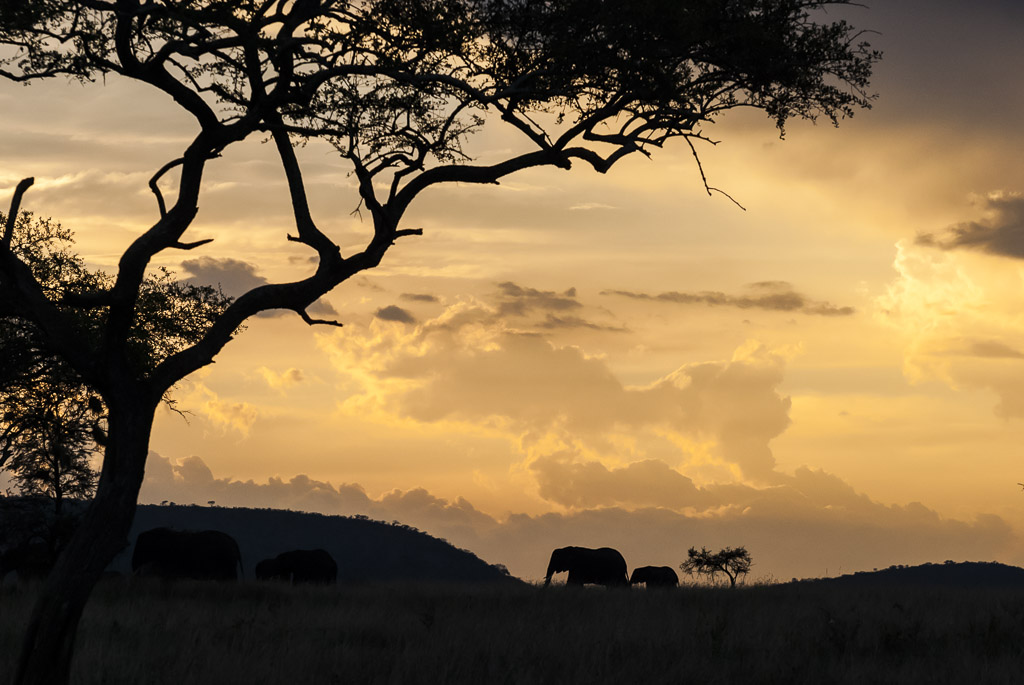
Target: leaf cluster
52,421
403,83
170,314
398,87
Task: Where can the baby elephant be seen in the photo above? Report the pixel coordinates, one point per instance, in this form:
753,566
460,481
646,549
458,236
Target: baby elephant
299,566
654,576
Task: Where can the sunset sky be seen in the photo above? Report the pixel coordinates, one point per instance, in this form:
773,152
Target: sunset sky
833,377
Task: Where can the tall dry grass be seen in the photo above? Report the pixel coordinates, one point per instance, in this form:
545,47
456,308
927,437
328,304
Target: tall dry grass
148,632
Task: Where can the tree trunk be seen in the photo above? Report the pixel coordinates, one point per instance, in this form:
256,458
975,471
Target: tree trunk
103,532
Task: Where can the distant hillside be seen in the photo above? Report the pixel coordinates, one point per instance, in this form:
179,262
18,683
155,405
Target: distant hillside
366,550
966,574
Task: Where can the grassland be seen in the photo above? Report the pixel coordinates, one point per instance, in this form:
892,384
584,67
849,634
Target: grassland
147,632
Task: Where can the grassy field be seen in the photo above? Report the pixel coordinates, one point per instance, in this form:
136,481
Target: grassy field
146,632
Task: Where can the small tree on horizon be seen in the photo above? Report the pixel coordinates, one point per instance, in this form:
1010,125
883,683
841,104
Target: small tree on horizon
397,87
732,562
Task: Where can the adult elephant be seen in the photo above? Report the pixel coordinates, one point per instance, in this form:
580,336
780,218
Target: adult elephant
299,566
654,576
604,566
179,554
30,560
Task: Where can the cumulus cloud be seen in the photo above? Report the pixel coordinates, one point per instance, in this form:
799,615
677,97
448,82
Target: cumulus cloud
812,524
395,313
935,299
768,295
685,460
467,366
226,414
999,232
564,480
280,381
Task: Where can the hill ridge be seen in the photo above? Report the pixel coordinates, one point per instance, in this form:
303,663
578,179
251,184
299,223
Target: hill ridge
965,574
366,550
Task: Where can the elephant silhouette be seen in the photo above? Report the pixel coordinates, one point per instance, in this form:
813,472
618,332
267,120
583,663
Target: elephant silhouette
180,554
654,576
604,566
299,566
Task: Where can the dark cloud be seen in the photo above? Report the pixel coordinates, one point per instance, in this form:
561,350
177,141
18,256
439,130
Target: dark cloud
648,483
994,349
364,282
827,309
395,313
235,277
519,301
418,297
553,322
771,285
1000,233
985,349
776,296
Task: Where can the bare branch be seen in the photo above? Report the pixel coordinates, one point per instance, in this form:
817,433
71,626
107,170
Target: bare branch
317,322
407,231
307,228
12,213
191,246
156,189
704,178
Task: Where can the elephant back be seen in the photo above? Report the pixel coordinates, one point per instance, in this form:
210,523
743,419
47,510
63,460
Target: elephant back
174,554
602,566
654,576
300,566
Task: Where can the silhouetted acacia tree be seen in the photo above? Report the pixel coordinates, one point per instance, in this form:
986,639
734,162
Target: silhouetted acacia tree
51,443
397,87
732,562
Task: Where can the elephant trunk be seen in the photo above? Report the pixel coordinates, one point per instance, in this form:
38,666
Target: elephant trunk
551,571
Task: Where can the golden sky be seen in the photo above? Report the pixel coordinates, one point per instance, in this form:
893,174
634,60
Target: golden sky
833,378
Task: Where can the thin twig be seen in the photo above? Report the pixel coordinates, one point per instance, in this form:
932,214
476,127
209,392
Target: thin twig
704,178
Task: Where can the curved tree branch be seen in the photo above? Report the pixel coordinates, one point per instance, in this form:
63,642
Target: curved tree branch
12,213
